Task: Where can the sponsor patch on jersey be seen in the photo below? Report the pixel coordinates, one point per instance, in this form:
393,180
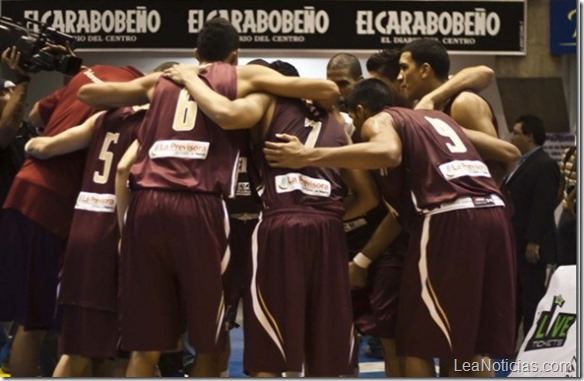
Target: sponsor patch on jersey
483,201
96,202
181,149
243,189
458,168
354,224
305,184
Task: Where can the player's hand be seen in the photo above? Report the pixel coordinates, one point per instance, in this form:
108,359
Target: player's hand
357,276
11,57
180,73
532,253
287,154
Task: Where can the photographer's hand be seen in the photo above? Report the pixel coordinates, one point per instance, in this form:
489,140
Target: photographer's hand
62,49
12,114
11,57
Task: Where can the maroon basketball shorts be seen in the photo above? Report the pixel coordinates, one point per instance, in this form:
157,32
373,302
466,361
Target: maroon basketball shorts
174,251
88,332
30,259
298,304
457,298
89,277
379,300
237,273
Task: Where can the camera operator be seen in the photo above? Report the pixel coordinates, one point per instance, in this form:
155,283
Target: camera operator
37,216
14,132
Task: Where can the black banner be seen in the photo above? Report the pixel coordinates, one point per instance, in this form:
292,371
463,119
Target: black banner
485,27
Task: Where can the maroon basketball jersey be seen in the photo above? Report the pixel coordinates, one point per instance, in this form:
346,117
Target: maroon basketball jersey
45,190
321,188
91,255
390,183
114,132
497,169
440,163
182,149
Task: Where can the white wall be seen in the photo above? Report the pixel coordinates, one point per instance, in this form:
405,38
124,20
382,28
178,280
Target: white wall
310,64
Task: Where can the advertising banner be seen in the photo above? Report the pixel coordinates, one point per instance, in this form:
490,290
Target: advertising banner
549,350
563,25
476,27
556,143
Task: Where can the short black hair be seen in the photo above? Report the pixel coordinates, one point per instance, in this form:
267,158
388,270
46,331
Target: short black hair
385,62
259,61
432,52
165,65
371,93
216,40
531,124
284,68
346,61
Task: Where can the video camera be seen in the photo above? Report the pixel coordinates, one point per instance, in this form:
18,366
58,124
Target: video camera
30,44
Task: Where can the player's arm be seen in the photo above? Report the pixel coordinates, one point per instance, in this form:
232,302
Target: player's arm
123,193
254,78
240,113
42,110
381,149
118,94
364,193
70,140
35,118
229,114
474,78
387,231
495,149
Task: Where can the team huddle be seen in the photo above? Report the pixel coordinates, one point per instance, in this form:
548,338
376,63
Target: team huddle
196,187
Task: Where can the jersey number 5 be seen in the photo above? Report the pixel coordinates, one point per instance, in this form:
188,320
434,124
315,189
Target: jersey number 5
107,157
455,145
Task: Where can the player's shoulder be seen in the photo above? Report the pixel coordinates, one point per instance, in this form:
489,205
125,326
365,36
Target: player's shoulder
468,99
250,72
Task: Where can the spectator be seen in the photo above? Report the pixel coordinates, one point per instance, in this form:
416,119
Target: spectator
14,133
567,248
533,188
